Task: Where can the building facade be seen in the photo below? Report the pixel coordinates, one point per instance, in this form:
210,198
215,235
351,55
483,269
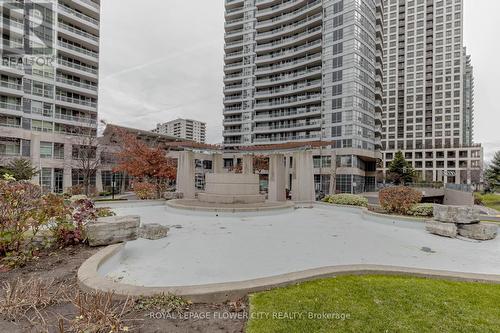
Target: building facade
184,129
49,106
304,71
428,86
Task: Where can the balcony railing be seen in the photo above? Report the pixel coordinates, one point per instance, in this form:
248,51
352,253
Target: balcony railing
10,85
84,120
297,112
76,66
82,16
78,32
77,84
290,88
290,26
288,64
288,100
288,126
289,76
289,15
288,138
10,106
78,49
76,101
286,40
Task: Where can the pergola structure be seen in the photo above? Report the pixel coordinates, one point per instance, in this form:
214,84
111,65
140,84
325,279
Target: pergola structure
302,167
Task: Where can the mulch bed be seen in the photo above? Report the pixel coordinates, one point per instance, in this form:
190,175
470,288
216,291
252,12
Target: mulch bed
62,266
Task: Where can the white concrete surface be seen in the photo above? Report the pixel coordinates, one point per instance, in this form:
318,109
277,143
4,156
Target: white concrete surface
209,249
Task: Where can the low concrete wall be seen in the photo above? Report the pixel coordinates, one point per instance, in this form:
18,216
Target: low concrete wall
89,280
458,198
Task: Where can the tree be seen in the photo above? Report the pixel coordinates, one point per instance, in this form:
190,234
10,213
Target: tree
400,170
492,174
21,169
85,157
146,162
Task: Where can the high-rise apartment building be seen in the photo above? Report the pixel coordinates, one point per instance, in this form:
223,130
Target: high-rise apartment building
306,70
184,129
468,100
428,86
49,99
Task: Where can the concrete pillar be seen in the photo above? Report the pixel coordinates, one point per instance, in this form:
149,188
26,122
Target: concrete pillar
217,163
303,177
98,181
247,167
277,178
333,174
186,174
35,157
67,178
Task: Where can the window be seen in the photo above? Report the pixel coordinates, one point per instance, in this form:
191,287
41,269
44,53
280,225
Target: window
46,150
336,131
337,117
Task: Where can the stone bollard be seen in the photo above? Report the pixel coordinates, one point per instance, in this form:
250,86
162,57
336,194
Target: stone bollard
442,229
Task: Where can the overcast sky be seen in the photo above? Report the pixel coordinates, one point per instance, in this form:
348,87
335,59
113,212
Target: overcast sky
163,59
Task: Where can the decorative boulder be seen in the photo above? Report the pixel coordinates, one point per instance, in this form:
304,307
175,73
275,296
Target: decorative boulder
442,229
112,230
153,231
479,231
456,214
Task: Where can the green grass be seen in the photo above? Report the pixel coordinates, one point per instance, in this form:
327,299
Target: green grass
490,200
378,304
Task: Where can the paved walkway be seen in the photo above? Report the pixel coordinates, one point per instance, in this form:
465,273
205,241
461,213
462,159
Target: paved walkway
208,249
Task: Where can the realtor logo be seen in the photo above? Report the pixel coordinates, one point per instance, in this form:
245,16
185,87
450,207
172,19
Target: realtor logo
28,28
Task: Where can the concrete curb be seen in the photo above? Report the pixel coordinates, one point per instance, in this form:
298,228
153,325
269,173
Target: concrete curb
90,281
365,212
177,204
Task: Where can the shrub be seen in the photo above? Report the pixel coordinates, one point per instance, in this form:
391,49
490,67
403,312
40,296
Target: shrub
144,190
105,212
425,210
19,204
478,200
399,199
347,200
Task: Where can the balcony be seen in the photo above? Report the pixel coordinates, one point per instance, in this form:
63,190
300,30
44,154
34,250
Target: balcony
75,101
11,88
79,50
300,87
87,20
289,53
80,33
290,101
288,29
290,16
83,69
80,120
288,65
288,138
299,112
11,109
299,75
285,41
277,8
77,84
289,127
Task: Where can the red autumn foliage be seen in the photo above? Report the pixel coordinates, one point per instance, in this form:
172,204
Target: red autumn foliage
399,199
145,162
